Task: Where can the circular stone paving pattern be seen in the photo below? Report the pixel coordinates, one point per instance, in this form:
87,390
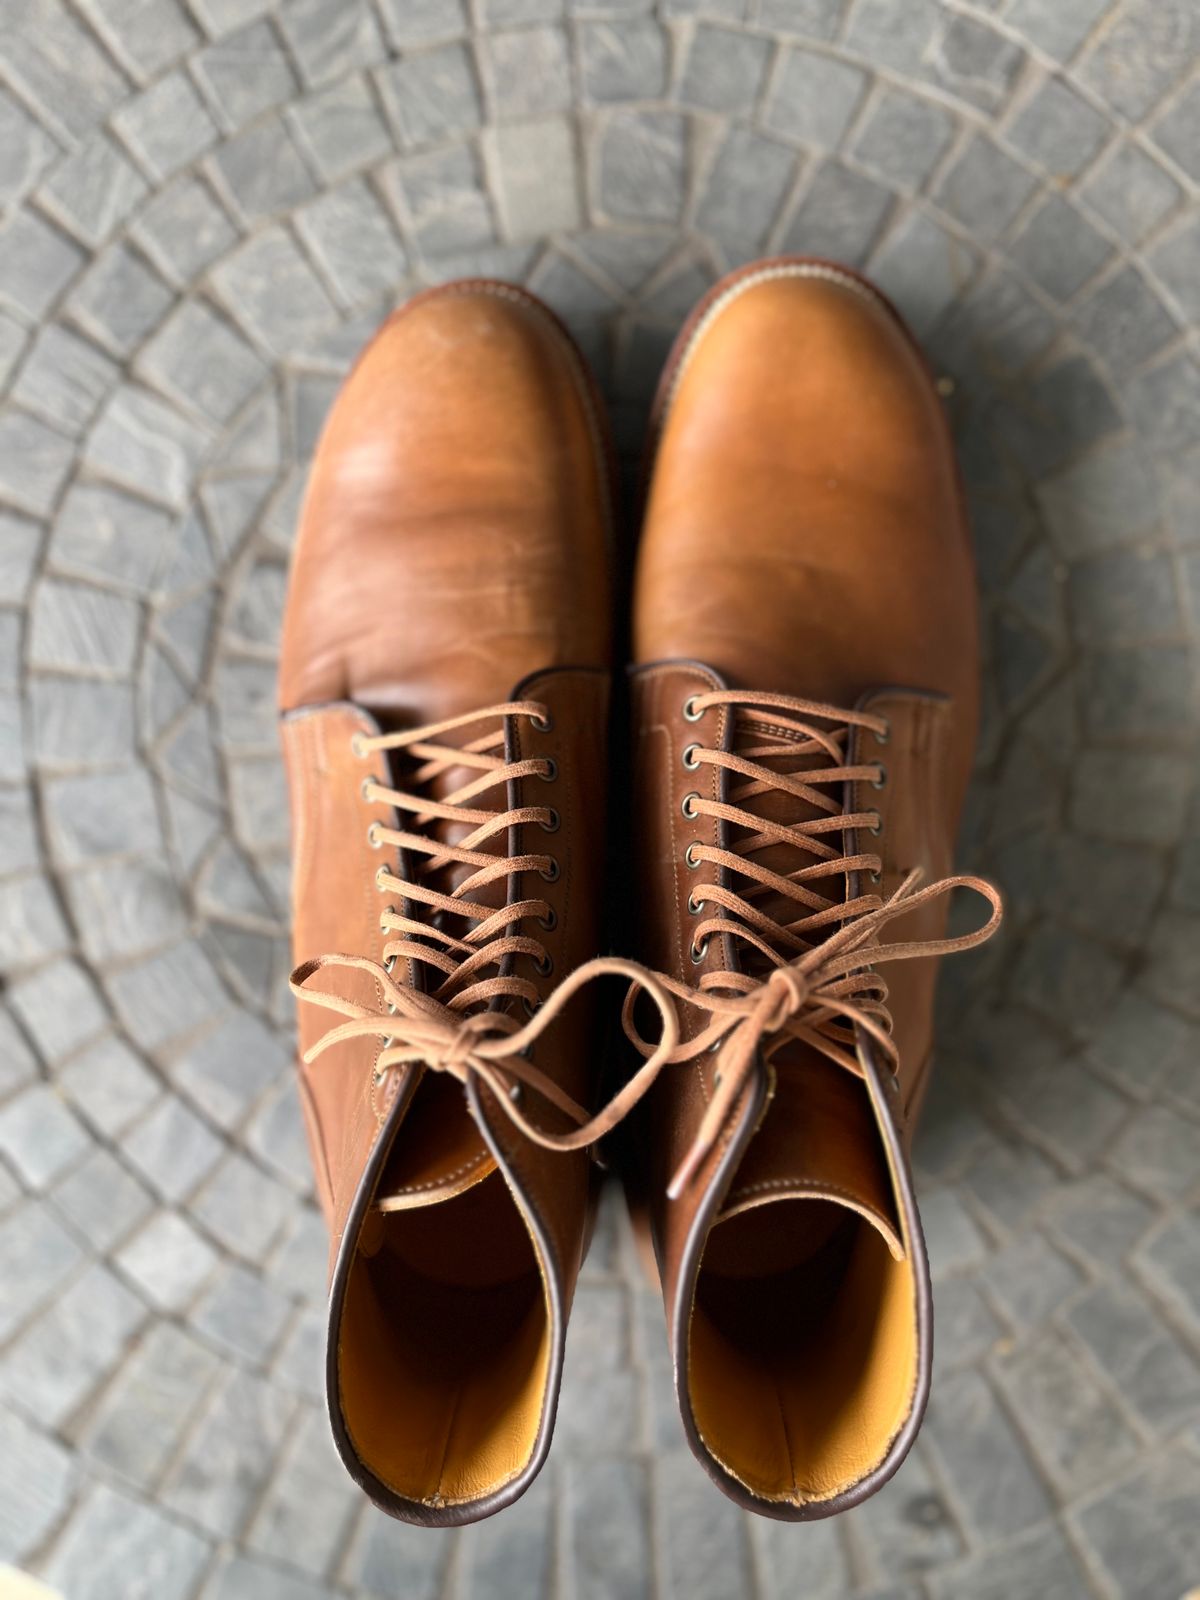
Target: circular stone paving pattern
209,204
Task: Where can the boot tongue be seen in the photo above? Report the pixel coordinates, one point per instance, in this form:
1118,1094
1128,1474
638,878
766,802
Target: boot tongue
819,1139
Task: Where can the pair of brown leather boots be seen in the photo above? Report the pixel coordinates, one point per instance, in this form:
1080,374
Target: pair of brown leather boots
803,712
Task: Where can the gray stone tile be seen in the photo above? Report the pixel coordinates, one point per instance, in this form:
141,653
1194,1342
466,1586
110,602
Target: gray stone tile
34,462
1168,1259
219,16
136,1427
812,19
263,170
983,1460
1058,27
443,199
101,814
1142,1531
31,922
431,95
907,1526
786,1566
120,300
104,534
975,60
745,192
1156,1153
352,237
299,1265
58,703
343,129
242,1208
607,1543
299,1364
245,73
505,13
1149,1367
1097,808
724,70
1040,1562
1077,1432
1124,322
923,269
967,1328
1177,132
166,126
1175,260
1108,499
241,1314
1059,248
700,1544
94,190
1131,64
61,67
1131,192
409,22
26,150
271,289
64,379
1058,130
306,1513
813,99
127,908
37,1256
198,361
59,1008
643,165
626,60
903,139
147,445
1009,1181
510,1558
102,1200
1143,1048
37,1480
840,215
40,1136
535,171
147,34
898,40
526,72
168,1261
1029,1281
1123,595
12,343
172,1149
113,1535
19,848
184,229
388,1557
229,1069
1165,402
243,1578
1139,691
331,38
61,1357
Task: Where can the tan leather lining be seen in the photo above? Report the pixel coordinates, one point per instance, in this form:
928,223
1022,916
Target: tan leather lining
445,1347
801,1379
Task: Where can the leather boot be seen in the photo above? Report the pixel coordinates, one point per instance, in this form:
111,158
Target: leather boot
444,681
804,714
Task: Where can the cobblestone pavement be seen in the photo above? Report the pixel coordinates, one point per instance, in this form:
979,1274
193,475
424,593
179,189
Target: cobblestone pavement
207,206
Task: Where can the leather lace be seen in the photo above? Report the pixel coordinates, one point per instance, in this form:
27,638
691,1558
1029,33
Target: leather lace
817,992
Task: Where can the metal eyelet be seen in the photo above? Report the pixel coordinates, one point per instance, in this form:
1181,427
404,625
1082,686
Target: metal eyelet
551,772
689,757
698,952
544,966
875,877
689,855
552,823
551,873
358,746
364,786
690,714
373,836
388,911
877,826
550,920
686,807
543,723
882,738
380,874
695,906
881,781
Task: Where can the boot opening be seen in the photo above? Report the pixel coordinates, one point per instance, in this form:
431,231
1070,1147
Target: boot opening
444,1346
802,1348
